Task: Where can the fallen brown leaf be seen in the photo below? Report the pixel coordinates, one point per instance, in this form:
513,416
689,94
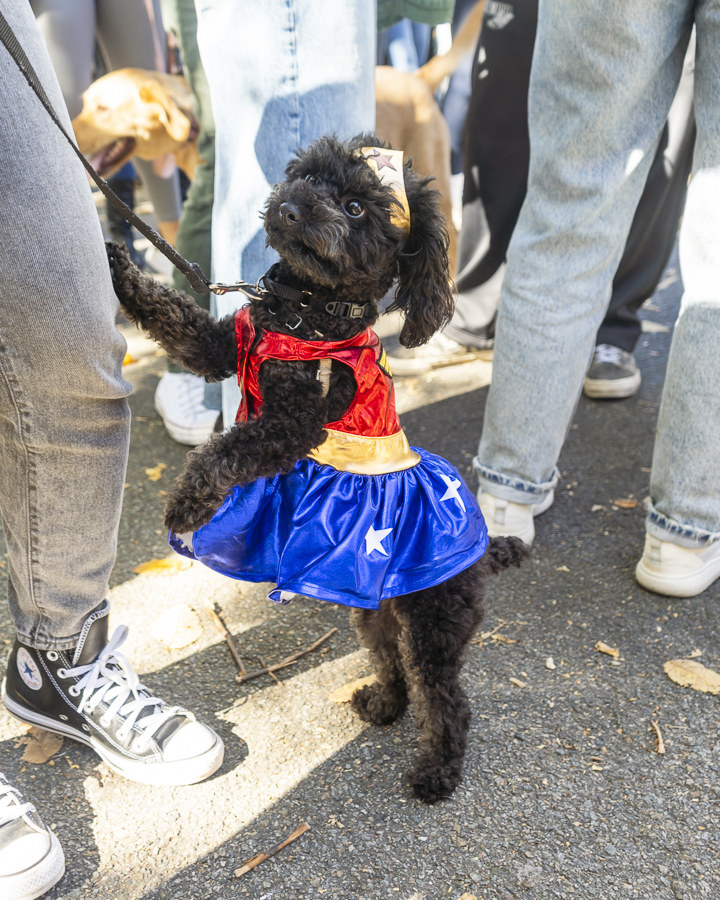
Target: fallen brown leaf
626,504
604,648
155,474
40,745
689,673
345,692
167,565
178,627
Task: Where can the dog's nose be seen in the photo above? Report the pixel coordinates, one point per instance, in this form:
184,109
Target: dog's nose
289,214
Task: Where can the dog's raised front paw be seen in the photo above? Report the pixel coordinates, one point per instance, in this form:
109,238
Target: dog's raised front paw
380,704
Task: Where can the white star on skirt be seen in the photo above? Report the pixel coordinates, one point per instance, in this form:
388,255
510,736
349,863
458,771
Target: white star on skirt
374,539
452,491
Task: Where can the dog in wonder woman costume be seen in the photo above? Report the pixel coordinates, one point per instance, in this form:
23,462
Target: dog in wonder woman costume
315,488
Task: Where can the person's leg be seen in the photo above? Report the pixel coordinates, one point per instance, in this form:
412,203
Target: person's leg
496,151
613,373
189,408
289,85
64,431
64,420
68,27
682,553
597,106
495,155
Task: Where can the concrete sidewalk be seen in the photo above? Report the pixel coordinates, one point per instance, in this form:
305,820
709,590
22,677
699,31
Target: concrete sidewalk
564,793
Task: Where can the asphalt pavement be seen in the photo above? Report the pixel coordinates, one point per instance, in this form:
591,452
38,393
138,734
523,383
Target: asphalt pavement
589,773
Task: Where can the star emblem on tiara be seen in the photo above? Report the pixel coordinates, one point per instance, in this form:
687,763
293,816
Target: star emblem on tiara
381,160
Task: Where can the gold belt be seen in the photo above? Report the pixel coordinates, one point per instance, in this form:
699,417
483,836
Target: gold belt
365,455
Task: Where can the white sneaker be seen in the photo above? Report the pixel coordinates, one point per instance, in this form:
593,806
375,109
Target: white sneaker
31,858
180,402
438,352
667,568
504,517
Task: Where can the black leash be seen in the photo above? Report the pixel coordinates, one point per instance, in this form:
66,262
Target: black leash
192,271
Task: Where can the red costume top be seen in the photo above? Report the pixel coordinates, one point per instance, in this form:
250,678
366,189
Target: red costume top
368,439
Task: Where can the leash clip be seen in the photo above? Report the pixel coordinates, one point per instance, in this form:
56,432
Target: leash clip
250,290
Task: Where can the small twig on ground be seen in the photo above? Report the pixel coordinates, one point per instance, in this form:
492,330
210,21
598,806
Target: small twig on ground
261,857
481,638
229,639
658,734
288,661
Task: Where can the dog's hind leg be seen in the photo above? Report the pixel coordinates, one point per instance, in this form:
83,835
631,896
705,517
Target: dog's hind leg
386,699
437,625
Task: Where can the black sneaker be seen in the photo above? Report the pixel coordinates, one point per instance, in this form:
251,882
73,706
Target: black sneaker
613,374
31,858
92,694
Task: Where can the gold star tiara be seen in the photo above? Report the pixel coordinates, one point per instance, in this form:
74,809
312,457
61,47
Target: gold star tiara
388,166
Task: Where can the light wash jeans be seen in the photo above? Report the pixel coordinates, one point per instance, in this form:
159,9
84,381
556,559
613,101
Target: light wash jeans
604,75
64,419
281,74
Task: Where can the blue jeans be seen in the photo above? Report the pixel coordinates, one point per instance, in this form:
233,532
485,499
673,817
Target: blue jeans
604,75
64,417
281,74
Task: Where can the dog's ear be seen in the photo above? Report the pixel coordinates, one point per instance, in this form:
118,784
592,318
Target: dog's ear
424,289
171,117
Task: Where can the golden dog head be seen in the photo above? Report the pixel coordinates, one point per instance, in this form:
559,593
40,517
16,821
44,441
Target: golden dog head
137,112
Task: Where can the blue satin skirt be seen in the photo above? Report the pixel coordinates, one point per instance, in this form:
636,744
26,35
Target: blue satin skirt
351,539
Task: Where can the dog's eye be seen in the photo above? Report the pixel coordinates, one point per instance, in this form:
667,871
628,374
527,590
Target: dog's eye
311,179
354,208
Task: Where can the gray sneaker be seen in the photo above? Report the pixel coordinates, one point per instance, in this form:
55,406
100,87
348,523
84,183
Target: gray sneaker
31,858
613,374
439,351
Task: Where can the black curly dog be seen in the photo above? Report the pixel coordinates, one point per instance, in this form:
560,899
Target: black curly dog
330,222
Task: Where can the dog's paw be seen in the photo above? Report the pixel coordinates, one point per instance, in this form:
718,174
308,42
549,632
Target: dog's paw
378,704
431,783
118,258
183,513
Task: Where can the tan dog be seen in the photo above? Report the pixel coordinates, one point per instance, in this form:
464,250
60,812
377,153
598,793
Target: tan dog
136,112
409,118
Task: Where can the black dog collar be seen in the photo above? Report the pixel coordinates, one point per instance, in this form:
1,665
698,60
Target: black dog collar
341,308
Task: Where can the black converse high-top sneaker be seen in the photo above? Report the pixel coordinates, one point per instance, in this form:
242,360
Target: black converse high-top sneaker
92,694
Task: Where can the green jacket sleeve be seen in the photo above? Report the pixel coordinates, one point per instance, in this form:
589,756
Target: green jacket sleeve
429,12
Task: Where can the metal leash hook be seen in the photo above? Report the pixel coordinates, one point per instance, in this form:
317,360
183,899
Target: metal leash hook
253,291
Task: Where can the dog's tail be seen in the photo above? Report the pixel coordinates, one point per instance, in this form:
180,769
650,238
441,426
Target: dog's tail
503,552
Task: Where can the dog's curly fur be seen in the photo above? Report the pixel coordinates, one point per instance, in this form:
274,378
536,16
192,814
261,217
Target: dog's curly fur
330,222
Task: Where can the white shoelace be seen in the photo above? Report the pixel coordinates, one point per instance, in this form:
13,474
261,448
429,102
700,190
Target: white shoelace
188,398
607,353
12,805
111,679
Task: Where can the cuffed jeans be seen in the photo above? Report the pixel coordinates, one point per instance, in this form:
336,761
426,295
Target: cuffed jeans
64,419
281,74
604,75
